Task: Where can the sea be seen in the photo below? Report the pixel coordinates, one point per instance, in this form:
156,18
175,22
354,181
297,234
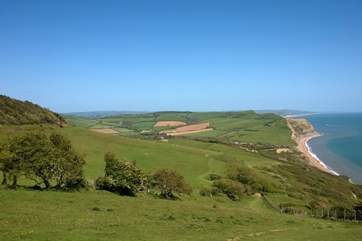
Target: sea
340,143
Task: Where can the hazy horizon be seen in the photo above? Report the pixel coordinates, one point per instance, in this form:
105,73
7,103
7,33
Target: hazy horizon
80,56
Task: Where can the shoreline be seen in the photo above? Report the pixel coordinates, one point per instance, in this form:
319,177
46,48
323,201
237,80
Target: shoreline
314,160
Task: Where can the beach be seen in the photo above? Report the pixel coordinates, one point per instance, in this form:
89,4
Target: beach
302,140
313,158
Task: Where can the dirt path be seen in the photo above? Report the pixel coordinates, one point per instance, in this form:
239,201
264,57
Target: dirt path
104,130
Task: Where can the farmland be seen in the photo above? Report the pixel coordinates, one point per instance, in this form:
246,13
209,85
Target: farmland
226,127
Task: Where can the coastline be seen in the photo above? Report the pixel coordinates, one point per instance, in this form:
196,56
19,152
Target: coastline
302,140
314,160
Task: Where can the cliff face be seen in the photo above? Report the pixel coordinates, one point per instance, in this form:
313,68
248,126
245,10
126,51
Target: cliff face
16,112
301,128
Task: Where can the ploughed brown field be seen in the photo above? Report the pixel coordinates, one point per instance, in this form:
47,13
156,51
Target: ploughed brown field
195,127
189,129
169,123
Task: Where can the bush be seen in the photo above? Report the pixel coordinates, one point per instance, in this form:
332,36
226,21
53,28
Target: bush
213,177
170,184
234,190
250,178
104,183
242,174
122,177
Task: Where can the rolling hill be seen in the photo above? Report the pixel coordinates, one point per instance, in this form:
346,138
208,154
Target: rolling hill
292,203
16,112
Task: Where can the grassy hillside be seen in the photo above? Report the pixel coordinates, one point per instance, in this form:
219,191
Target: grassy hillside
290,180
101,216
16,112
26,214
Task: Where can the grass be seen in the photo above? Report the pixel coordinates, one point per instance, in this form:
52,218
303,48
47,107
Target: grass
192,159
96,215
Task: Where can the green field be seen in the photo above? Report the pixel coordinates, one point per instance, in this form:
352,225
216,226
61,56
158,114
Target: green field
228,127
26,214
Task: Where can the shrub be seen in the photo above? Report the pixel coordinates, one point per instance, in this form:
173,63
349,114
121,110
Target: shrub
104,183
250,178
209,191
170,184
122,177
234,190
213,177
242,174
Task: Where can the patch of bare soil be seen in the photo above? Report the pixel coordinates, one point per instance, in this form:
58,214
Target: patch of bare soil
195,127
283,150
169,124
189,129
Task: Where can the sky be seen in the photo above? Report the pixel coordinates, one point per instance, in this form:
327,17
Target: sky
196,55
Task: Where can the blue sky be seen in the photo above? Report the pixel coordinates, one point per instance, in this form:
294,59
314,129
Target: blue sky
183,55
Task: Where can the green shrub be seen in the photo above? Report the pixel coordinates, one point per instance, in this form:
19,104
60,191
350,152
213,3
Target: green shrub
170,184
122,177
103,183
250,177
242,174
209,191
213,177
234,190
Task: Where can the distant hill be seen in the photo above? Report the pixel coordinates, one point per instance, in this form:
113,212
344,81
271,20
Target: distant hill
102,114
287,113
16,112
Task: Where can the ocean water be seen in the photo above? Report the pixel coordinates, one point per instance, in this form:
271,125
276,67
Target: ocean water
340,146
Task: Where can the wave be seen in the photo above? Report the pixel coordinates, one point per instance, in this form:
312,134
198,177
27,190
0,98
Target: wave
319,160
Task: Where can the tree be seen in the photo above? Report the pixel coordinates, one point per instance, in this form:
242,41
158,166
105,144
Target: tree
170,184
122,177
5,163
31,152
67,164
46,160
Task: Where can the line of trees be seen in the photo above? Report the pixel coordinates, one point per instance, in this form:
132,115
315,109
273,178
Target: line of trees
125,178
48,160
333,213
